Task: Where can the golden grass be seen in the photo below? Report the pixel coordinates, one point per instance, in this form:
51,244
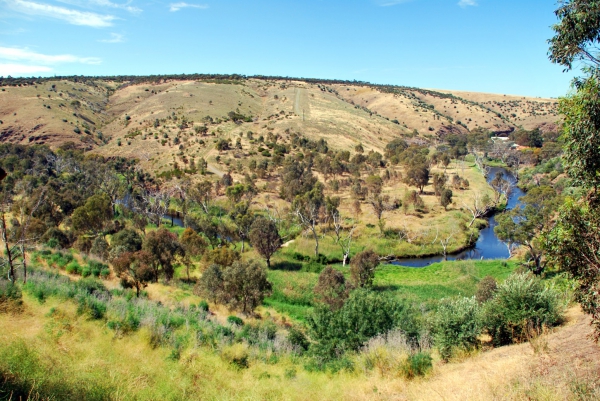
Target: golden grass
566,369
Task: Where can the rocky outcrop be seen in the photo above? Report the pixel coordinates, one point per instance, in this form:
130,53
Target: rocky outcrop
446,130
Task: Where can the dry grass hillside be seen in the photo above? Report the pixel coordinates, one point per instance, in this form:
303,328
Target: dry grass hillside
98,113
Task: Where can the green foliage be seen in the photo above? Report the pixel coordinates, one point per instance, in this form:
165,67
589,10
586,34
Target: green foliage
241,286
456,324
573,247
92,216
11,297
417,364
486,289
362,268
234,320
522,303
364,315
265,238
332,289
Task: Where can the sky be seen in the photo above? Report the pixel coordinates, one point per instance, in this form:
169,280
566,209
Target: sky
494,46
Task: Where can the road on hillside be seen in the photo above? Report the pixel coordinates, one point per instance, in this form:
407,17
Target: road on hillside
297,109
214,170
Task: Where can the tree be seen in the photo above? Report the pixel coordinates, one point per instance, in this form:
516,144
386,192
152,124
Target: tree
164,247
526,224
134,269
362,268
417,176
92,216
574,242
243,218
332,289
193,245
446,198
241,286
307,208
344,241
479,206
265,238
202,193
126,240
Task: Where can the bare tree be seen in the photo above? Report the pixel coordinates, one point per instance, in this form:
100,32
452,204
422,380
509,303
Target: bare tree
154,204
479,206
344,241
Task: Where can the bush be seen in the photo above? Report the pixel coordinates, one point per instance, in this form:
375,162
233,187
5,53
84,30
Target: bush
203,306
486,289
417,364
105,272
522,303
73,268
364,315
86,272
456,325
298,340
234,320
11,297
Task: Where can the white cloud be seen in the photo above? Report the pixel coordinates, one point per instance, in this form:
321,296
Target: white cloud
388,3
21,69
71,16
178,6
114,38
467,3
26,55
110,4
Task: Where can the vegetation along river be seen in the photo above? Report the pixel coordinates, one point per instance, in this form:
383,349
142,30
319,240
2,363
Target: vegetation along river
488,246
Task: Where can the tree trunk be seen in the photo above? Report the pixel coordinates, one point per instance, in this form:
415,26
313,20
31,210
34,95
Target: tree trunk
11,269
24,262
268,263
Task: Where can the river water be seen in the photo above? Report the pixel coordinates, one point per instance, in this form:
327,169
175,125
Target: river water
488,246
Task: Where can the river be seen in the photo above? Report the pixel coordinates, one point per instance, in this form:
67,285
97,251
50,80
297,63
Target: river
488,246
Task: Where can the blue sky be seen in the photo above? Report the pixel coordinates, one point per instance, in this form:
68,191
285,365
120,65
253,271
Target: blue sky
496,46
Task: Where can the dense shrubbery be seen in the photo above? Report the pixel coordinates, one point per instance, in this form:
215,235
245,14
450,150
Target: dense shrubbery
364,315
522,303
456,324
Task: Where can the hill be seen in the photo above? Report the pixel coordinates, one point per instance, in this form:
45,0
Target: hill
141,117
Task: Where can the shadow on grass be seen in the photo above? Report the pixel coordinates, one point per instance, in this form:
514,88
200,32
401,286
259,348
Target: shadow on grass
386,287
287,266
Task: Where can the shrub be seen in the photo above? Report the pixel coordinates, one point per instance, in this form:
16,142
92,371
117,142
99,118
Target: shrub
364,315
234,320
521,304
486,289
73,268
456,325
86,272
105,272
203,306
298,339
417,364
11,297
362,268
